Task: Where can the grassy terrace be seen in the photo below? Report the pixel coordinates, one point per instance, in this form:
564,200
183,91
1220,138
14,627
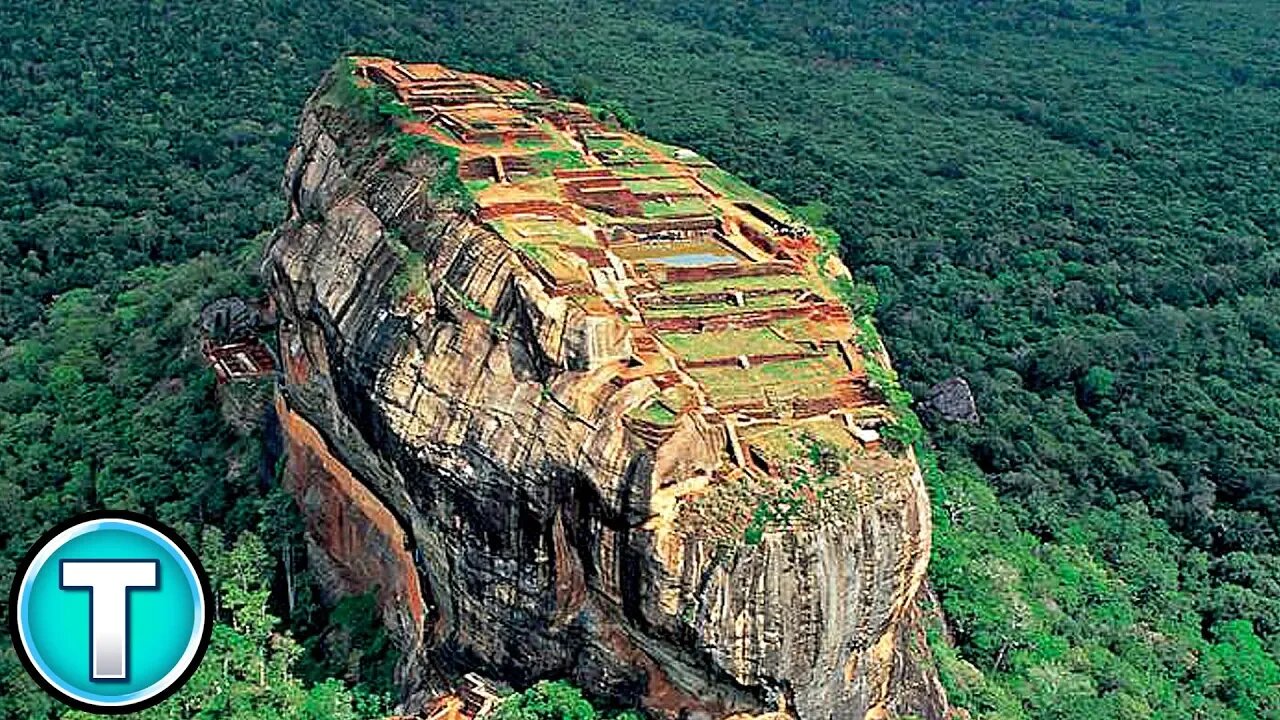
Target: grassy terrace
543,232
674,185
658,251
807,378
624,154
801,329
666,174
663,408
656,412
676,208
540,187
544,241
597,144
790,441
711,309
655,170
727,343
759,282
548,161
683,155
563,266
732,187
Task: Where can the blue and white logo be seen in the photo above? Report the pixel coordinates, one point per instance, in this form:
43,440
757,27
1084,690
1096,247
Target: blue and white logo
110,612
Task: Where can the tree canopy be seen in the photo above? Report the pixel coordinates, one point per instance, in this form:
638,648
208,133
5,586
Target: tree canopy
1071,203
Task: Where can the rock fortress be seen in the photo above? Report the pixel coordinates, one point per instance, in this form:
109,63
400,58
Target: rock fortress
574,403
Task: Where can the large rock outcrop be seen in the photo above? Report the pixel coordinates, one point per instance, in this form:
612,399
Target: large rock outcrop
473,445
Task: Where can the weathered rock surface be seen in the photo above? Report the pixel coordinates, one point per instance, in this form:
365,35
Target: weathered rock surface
472,465
229,318
950,400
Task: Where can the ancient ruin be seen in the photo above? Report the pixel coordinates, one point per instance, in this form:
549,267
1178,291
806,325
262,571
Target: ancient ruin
577,404
230,343
712,286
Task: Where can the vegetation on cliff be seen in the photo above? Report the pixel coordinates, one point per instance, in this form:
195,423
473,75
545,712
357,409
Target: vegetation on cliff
554,700
106,405
250,669
378,106
1070,203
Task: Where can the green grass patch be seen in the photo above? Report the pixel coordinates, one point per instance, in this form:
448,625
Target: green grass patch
733,187
475,186
471,305
405,147
596,143
533,142
689,310
660,185
368,100
543,232
727,343
535,252
627,154
562,266
803,329
656,412
676,208
644,170
548,161
410,277
806,378
684,155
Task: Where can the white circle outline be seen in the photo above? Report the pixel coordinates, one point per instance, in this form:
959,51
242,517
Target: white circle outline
193,582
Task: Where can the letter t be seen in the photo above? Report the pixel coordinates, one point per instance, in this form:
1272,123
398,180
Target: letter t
109,582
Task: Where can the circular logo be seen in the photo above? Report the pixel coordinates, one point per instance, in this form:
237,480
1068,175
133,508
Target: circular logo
109,612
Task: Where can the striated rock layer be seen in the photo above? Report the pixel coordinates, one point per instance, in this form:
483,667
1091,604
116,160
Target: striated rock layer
615,470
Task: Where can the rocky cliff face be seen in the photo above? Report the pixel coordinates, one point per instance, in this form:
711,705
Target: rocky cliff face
473,449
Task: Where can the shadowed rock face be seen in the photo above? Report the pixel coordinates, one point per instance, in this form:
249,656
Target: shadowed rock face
951,401
464,450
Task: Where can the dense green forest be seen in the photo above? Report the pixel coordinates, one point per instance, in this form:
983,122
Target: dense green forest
1073,204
